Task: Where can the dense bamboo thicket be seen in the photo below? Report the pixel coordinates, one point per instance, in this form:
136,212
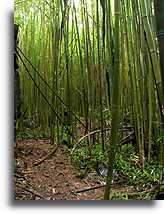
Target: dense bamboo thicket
96,65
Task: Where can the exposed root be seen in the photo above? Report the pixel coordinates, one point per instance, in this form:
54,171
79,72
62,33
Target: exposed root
47,156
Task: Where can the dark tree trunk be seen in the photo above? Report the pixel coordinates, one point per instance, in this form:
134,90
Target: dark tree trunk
17,90
159,12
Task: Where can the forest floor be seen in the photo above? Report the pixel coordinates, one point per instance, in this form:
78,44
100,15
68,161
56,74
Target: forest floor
45,172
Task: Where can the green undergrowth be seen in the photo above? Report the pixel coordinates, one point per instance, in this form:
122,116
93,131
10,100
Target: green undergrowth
127,165
81,155
34,133
127,162
29,130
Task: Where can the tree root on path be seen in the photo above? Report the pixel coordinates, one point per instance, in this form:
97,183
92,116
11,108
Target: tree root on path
47,156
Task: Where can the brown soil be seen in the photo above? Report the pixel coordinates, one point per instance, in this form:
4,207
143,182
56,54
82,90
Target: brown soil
44,172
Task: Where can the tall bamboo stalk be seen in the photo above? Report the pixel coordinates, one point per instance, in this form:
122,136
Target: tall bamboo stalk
115,102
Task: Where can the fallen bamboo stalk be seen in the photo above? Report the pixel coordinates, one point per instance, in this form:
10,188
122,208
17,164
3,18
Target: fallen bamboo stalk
97,131
89,189
127,139
122,193
80,191
88,135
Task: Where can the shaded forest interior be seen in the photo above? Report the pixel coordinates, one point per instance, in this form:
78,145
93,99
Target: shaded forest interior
88,99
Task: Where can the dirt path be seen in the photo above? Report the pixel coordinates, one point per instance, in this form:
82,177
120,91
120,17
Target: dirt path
44,172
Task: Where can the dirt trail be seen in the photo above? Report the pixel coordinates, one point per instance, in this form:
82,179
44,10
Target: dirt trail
39,176
45,172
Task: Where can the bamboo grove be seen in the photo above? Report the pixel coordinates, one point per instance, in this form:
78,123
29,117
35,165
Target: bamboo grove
98,64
